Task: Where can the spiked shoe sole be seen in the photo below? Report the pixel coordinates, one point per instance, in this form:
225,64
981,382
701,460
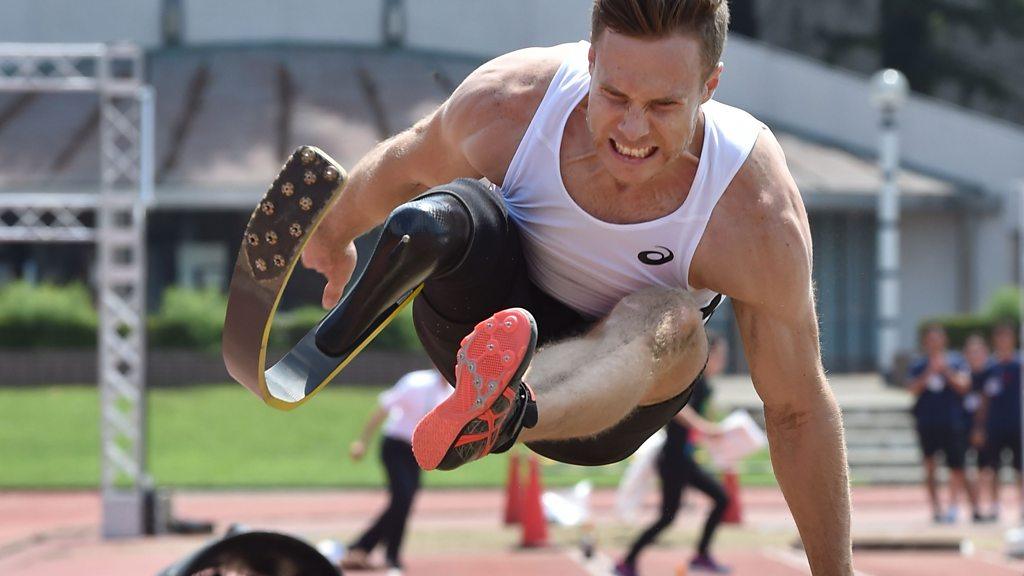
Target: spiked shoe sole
491,359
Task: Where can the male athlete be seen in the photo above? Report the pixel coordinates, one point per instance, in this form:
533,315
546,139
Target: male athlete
625,201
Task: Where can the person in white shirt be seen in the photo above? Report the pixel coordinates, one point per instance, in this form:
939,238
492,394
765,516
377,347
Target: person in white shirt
400,408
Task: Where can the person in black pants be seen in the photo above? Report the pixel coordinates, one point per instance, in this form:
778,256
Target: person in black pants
678,469
939,381
403,406
998,421
979,362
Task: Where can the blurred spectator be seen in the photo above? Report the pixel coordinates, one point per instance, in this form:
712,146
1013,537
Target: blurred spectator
678,469
404,405
979,362
939,381
998,421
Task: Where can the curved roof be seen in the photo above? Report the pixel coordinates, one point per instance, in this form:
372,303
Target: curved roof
227,116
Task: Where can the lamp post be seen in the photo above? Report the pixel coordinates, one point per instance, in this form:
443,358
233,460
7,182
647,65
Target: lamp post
394,23
889,91
1020,288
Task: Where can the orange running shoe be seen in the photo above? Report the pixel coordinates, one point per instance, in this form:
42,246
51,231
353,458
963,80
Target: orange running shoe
491,404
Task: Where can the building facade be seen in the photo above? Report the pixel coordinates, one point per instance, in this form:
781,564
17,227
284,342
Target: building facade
235,95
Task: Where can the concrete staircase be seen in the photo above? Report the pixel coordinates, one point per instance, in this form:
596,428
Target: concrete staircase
880,437
882,445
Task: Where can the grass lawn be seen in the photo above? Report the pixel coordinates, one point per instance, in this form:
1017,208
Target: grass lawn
222,436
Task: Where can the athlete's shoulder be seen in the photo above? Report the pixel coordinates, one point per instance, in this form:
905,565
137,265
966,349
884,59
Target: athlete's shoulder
422,378
490,111
412,379
510,86
758,234
731,115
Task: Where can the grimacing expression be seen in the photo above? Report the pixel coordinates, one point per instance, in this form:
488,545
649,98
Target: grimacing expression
644,98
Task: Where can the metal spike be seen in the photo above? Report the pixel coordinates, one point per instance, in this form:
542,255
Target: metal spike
267,207
309,178
279,261
295,230
305,203
288,189
307,155
253,239
330,173
261,265
271,237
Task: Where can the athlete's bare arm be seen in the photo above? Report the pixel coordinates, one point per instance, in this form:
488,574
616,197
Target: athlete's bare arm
762,259
473,134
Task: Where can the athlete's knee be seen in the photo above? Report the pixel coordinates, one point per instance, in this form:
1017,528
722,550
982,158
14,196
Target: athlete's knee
720,498
437,226
403,500
671,317
668,516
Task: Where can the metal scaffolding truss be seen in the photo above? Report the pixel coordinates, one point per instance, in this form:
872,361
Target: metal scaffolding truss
47,217
106,68
118,226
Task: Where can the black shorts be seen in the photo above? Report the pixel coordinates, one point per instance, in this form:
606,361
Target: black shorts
996,443
493,277
950,441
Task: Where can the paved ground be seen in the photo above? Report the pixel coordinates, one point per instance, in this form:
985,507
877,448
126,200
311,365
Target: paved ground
458,533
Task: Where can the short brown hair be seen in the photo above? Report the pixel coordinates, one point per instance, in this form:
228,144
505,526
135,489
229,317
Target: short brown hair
1008,326
929,327
708,19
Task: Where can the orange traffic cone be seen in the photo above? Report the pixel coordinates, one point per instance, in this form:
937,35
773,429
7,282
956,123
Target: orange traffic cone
733,512
535,527
513,492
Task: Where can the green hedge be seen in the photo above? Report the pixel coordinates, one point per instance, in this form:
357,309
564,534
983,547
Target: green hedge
1004,306
188,319
33,316
48,316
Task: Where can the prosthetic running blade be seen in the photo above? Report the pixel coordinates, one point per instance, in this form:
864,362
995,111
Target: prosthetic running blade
278,229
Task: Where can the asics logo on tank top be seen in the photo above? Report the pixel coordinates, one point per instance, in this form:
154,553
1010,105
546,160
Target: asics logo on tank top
656,257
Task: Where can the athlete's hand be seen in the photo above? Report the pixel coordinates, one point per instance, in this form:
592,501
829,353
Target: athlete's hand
332,257
357,450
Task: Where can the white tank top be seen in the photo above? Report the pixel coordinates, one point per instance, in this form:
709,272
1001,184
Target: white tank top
589,264
410,399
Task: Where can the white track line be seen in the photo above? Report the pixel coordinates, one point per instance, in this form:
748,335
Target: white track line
797,561
598,565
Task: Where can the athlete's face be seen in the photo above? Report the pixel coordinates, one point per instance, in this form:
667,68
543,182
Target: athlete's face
976,353
1004,340
934,340
644,101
